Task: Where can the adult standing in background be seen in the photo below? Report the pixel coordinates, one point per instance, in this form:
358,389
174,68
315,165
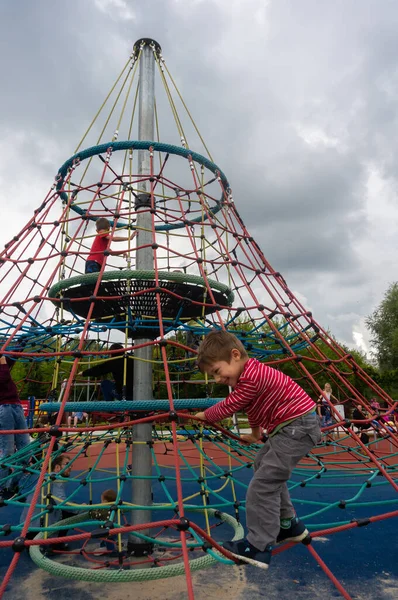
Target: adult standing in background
11,417
323,409
121,368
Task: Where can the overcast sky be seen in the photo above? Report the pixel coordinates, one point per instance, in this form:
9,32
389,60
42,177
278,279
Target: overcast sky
297,101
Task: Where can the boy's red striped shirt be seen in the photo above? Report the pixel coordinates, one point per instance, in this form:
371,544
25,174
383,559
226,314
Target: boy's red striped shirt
266,395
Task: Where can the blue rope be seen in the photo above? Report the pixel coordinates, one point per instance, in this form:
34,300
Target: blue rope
131,405
42,336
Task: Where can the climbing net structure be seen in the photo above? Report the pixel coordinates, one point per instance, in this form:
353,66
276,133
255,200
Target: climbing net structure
187,265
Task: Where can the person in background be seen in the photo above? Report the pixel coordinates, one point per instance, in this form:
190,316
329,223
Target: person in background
323,409
358,415
395,418
118,367
103,514
60,468
11,417
375,405
77,417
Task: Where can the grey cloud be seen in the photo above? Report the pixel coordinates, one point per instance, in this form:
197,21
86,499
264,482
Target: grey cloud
326,66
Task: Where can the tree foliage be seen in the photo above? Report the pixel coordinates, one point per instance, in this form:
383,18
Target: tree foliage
187,382
383,325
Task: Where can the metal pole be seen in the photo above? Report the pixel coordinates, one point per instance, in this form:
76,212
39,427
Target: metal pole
142,434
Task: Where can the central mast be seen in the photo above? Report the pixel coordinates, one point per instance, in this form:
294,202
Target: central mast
142,434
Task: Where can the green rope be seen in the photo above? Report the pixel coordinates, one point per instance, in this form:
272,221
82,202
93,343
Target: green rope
120,575
92,278
141,145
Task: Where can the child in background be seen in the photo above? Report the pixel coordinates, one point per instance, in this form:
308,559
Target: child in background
103,514
375,405
96,257
275,402
61,468
77,416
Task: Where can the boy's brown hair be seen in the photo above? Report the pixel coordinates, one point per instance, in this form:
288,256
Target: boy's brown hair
102,223
109,496
216,346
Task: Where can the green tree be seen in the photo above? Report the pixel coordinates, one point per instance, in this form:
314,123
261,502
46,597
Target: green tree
383,325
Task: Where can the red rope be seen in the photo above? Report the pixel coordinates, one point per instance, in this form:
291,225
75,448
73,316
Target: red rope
329,573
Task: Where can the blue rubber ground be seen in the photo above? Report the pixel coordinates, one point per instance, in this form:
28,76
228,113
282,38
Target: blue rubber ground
364,560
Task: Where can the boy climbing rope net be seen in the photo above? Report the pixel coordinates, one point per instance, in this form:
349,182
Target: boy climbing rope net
272,401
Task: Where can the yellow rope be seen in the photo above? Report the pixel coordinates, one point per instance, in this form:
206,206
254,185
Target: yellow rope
103,104
172,105
90,486
109,116
183,136
188,112
202,470
119,538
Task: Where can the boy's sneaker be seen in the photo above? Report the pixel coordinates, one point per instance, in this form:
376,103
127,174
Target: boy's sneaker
297,532
247,553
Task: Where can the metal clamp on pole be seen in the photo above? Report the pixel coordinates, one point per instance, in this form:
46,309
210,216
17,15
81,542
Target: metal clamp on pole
142,201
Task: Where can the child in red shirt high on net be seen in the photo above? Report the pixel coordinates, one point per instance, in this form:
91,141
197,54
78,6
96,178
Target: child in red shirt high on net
272,401
96,257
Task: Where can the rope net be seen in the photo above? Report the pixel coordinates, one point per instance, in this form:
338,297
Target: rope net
207,272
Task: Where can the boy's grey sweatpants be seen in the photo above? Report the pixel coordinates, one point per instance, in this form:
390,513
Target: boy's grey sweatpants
267,499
